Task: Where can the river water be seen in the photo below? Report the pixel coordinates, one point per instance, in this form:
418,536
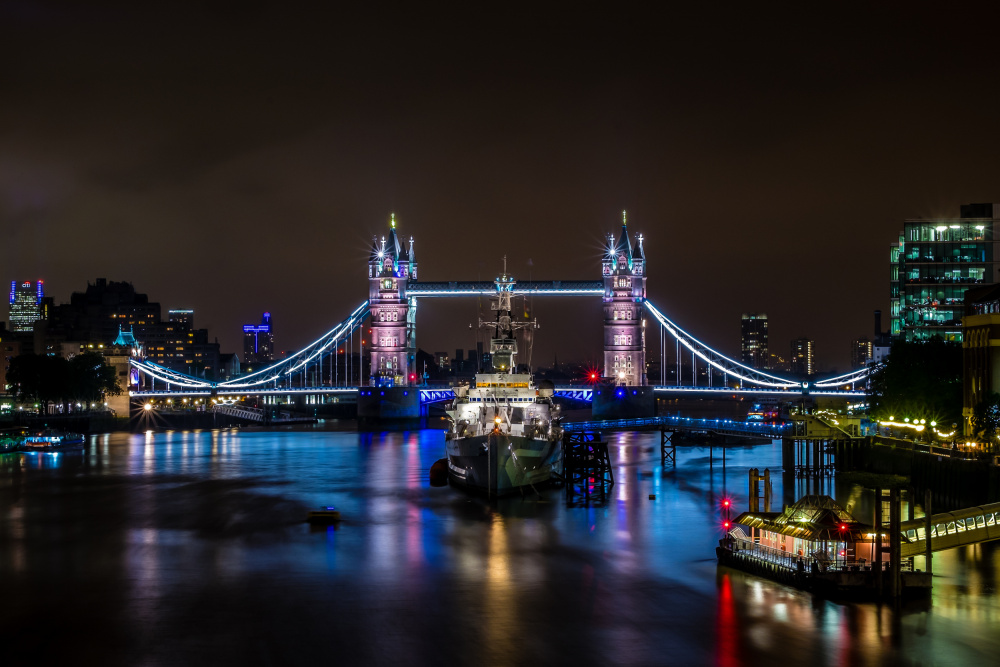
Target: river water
190,548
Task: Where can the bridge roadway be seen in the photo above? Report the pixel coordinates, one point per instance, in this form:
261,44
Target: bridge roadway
432,394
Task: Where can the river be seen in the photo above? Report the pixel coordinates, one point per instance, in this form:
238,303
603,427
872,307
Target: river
190,548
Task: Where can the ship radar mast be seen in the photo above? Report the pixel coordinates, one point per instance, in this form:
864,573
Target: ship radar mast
503,345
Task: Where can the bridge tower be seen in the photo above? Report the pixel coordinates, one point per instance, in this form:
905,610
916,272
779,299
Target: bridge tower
624,268
393,353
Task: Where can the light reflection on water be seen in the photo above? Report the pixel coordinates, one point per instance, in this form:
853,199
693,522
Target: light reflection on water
181,527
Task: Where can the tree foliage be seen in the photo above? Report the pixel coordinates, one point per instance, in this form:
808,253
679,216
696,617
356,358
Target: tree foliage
919,381
43,379
986,418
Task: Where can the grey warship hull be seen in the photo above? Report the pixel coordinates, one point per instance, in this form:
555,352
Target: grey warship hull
498,464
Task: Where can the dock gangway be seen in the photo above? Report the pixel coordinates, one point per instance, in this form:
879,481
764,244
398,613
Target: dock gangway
951,529
744,429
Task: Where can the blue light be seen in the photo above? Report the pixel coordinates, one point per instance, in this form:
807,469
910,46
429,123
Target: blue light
620,393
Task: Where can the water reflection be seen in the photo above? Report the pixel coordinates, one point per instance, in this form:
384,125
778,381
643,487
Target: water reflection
192,532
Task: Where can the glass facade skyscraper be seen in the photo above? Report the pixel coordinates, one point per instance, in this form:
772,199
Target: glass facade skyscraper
25,304
932,265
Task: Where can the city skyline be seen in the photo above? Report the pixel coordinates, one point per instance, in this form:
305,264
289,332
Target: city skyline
235,148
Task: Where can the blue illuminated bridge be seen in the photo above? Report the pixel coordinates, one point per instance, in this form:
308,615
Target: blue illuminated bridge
323,367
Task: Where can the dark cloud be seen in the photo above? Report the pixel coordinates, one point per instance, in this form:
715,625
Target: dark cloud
237,157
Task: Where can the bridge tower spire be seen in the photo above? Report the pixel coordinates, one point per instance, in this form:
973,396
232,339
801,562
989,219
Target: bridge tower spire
624,269
392,312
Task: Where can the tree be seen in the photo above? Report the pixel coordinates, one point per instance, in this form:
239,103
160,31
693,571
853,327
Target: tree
37,379
918,381
91,378
43,379
986,419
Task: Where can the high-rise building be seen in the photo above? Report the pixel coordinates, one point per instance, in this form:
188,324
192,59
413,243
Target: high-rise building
181,317
442,360
862,352
258,341
25,304
624,271
932,265
801,362
753,340
106,310
178,345
103,309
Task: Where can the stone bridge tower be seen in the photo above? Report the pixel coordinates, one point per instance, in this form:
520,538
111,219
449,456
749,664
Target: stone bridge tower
389,268
624,268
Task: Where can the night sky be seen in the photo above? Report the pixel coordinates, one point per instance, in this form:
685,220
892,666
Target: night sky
236,157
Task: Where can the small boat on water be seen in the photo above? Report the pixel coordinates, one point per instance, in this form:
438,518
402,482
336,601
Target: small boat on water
504,432
325,515
51,440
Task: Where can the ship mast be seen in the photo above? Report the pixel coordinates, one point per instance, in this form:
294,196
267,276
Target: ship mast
503,345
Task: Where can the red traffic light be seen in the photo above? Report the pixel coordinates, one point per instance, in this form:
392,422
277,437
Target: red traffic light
413,376
725,503
843,527
725,524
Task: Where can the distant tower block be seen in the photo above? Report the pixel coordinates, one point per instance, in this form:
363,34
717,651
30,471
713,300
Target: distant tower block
388,270
624,267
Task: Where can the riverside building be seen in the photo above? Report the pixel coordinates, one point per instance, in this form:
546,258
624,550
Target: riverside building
933,264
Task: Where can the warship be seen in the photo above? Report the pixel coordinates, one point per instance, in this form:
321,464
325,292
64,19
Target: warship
504,433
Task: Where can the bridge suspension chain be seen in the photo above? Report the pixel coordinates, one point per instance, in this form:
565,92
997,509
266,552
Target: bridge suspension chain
742,372
325,345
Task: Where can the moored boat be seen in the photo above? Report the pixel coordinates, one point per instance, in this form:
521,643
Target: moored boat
51,440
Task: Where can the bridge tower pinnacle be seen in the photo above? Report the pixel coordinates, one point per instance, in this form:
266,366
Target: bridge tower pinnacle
392,312
624,269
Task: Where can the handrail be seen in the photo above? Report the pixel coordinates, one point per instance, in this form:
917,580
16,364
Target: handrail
790,561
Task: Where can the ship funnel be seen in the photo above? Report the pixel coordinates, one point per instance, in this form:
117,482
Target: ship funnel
546,388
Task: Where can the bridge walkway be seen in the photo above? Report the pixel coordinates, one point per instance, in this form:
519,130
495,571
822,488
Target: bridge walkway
951,529
721,426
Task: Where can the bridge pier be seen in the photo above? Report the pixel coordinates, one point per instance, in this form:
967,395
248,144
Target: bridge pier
587,467
623,402
668,448
377,403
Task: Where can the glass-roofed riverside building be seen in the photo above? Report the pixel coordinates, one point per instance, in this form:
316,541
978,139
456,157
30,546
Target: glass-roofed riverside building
814,544
932,265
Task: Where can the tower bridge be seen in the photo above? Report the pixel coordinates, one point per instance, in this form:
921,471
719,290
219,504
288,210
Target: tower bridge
327,365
